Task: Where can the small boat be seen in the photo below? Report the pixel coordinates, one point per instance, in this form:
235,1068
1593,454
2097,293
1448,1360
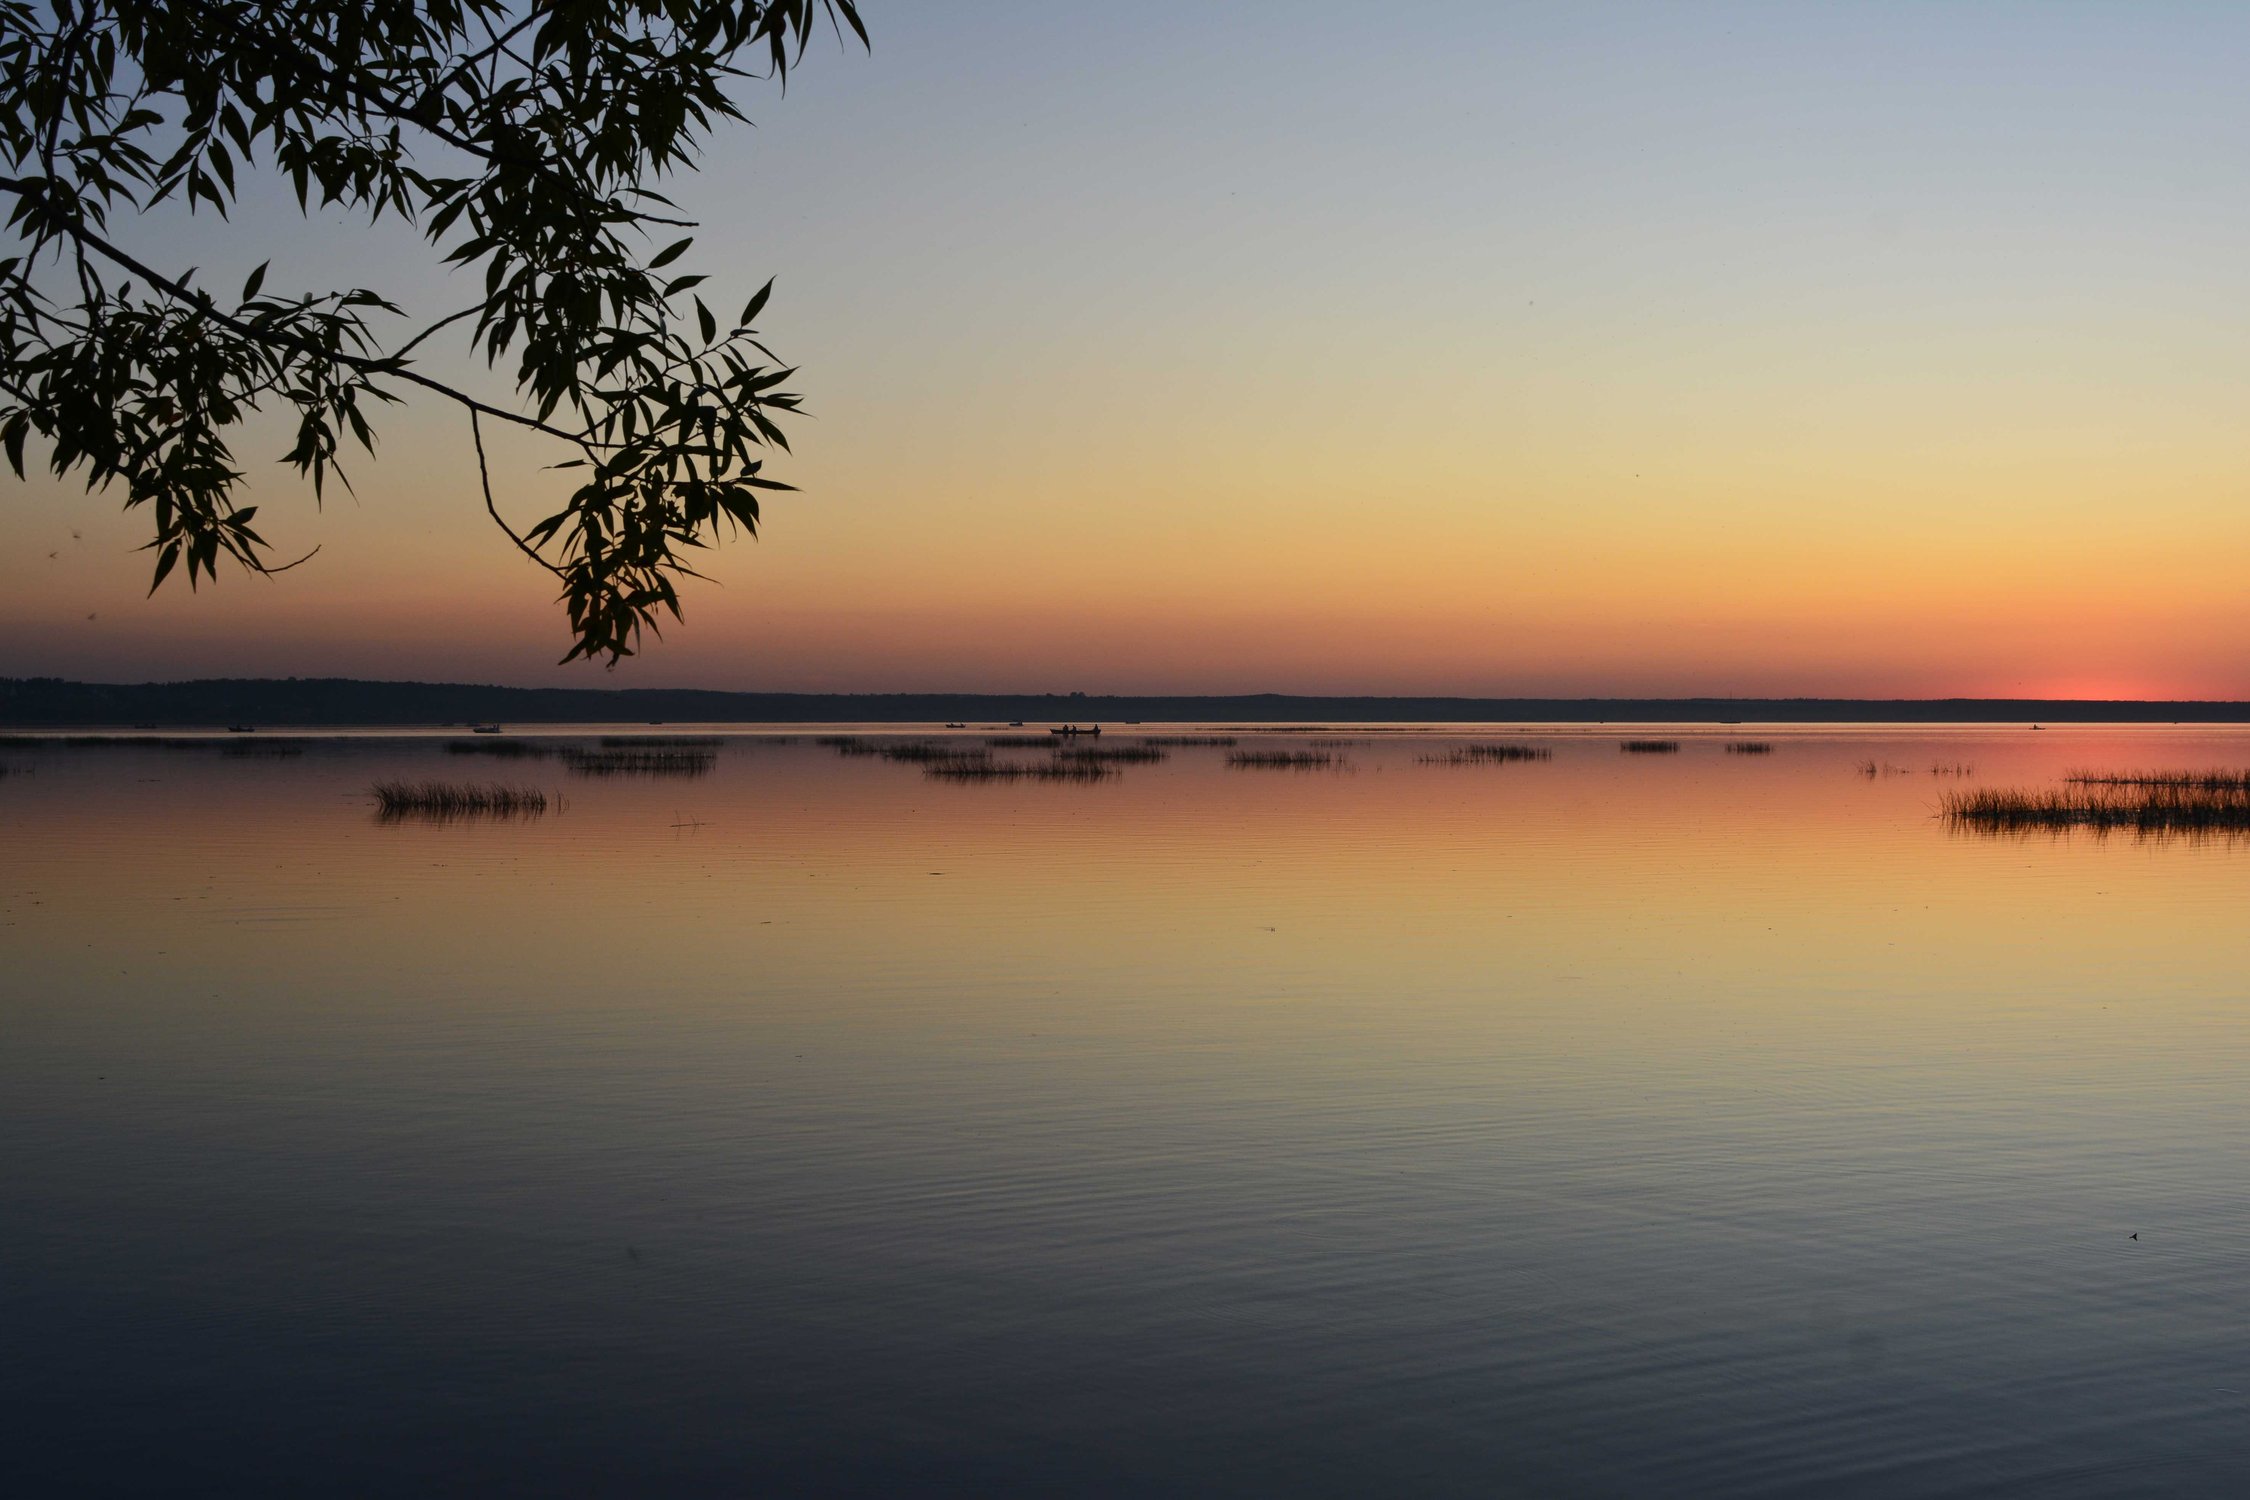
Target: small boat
1075,730
1015,723
242,729
951,725
2039,726
484,729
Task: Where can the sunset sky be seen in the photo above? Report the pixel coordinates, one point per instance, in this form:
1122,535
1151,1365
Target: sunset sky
1887,349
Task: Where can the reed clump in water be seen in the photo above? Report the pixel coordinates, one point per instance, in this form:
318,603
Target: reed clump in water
1649,747
2140,806
978,767
1020,741
1749,747
1111,755
662,741
456,799
922,752
639,762
2221,779
500,749
849,744
1280,760
1952,768
261,749
1192,741
1487,755
1874,768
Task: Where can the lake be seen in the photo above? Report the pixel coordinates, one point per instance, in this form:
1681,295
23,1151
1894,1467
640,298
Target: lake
1605,1124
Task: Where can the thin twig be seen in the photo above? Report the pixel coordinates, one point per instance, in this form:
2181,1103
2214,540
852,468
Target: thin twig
484,474
450,318
261,568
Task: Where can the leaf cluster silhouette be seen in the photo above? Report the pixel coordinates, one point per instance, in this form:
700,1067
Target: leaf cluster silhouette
523,141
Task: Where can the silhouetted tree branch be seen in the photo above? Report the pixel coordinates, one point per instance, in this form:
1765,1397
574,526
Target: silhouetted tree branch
518,138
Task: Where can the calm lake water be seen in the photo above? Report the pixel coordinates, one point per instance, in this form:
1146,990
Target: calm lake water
1605,1125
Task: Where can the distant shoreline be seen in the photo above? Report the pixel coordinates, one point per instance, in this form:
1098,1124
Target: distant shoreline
54,703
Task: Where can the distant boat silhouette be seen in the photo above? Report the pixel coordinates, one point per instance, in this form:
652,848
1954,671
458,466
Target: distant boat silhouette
2039,726
242,729
1015,723
484,729
1073,729
951,725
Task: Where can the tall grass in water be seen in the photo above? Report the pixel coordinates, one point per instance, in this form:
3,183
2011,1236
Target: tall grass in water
1280,760
1189,741
2140,806
1649,747
446,800
1749,747
1480,755
849,744
662,741
1142,752
2216,780
500,749
921,752
639,762
976,766
1111,755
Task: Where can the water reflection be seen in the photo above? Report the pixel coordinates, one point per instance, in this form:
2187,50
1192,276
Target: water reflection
1689,1122
401,801
614,761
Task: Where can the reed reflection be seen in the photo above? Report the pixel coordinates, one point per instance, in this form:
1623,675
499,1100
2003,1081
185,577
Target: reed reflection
456,802
615,761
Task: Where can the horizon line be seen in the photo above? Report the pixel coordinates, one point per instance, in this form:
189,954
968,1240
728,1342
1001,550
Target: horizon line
50,681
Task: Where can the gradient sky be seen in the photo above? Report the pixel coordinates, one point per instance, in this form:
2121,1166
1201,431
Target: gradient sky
1884,349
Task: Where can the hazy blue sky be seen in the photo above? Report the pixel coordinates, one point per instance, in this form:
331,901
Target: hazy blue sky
1586,347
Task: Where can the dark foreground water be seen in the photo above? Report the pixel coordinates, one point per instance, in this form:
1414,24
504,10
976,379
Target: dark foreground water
1606,1125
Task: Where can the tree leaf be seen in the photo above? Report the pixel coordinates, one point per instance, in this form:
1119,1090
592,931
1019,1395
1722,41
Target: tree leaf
757,303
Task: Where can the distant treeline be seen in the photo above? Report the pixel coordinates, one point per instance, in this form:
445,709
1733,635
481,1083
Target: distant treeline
48,702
